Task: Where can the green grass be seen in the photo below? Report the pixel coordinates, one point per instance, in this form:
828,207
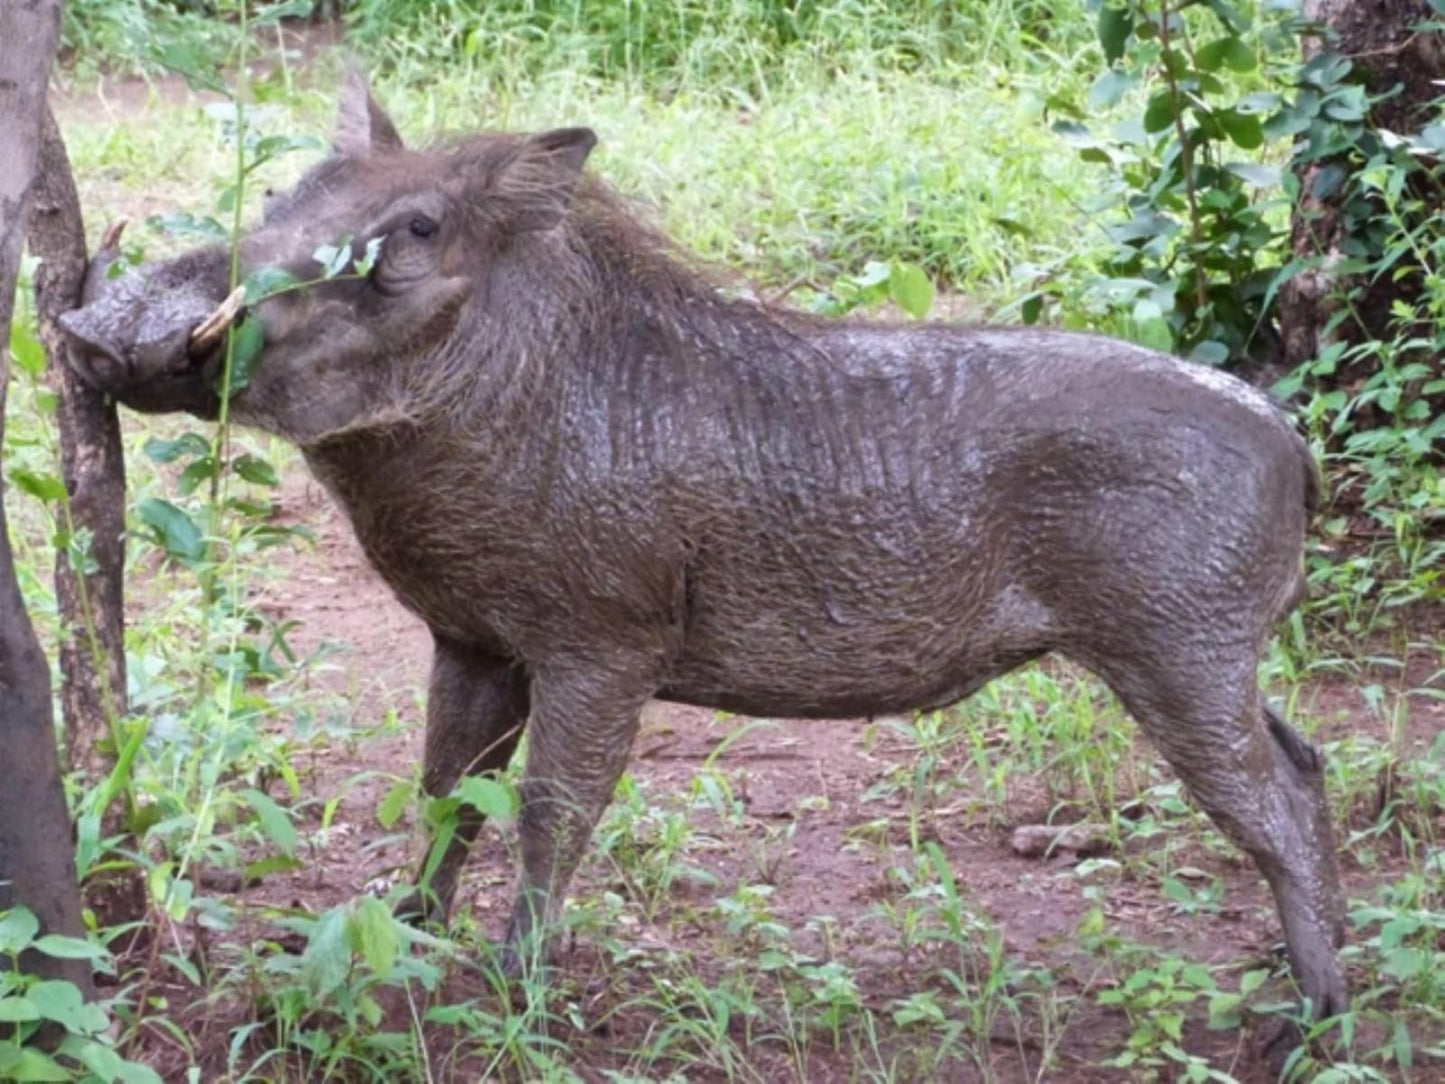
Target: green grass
800,193
879,133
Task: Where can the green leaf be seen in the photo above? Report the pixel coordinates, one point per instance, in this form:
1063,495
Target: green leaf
1032,308
1236,20
272,146
1154,333
187,60
1253,173
58,1001
28,1064
1171,1023
274,821
201,470
255,470
1225,1011
334,259
188,226
109,1065
1327,181
45,487
1160,112
1109,88
374,935
25,348
371,1012
185,967
394,804
1261,101
911,289
875,273
1251,981
1243,128
327,958
17,1010
489,797
1209,353
168,451
1177,890
248,339
69,948
287,9
1405,964
266,282
1239,56
1116,23
1228,51
174,530
1347,104
17,930
1210,55
272,863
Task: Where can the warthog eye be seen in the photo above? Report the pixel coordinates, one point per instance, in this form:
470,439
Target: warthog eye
421,226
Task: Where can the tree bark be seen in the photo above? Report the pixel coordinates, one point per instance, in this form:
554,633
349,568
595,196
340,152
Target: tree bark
37,856
92,604
1376,36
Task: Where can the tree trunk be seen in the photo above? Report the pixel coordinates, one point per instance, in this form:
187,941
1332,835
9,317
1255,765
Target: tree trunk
92,613
91,603
1376,36
37,855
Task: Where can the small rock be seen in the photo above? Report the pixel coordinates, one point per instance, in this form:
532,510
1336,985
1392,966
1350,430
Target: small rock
1046,840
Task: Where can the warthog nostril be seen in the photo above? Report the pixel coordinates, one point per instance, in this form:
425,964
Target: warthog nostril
96,356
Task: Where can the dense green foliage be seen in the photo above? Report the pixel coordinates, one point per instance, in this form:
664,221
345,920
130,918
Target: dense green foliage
1230,125
980,158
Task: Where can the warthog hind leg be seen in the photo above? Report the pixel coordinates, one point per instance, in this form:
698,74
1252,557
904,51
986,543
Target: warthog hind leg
1263,784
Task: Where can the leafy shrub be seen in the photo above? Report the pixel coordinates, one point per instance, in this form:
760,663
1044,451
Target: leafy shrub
1230,135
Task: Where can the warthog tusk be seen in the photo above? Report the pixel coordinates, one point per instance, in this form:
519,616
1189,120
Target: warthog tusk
208,334
111,237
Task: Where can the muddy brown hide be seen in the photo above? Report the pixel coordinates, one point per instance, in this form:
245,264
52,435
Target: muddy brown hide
600,478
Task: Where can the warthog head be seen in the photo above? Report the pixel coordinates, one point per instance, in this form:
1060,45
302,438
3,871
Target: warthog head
428,235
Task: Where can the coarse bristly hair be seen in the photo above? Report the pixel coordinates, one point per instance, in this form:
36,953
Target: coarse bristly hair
605,275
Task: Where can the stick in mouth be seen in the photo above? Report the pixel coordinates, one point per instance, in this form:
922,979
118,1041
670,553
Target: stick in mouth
205,337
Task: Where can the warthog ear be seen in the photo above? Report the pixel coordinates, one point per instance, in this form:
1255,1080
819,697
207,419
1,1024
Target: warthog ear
362,126
538,183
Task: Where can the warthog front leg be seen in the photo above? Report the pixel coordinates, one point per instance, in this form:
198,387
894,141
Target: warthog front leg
476,708
583,724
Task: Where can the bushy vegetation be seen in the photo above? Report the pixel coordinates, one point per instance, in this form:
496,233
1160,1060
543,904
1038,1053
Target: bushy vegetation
982,159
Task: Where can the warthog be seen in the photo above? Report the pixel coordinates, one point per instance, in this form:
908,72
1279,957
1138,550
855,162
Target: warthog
601,477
